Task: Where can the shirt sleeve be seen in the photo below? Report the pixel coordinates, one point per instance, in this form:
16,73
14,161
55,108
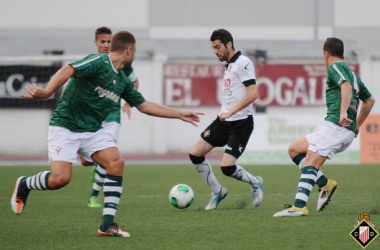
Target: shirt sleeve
132,96
338,74
364,93
88,66
247,73
132,77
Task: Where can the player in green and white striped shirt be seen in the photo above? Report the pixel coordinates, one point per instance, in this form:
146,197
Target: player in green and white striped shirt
96,84
111,124
344,91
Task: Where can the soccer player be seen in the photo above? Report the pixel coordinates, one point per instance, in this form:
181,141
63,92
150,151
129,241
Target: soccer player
96,83
233,126
344,90
111,124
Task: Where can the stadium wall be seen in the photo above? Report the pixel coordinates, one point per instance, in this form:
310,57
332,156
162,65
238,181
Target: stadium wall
24,131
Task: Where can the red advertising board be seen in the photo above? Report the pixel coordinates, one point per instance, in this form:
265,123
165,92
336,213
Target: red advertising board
200,84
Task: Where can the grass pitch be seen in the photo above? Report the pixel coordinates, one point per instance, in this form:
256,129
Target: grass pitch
61,220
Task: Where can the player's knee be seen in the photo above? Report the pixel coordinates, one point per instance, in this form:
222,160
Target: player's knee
196,159
228,170
292,150
57,181
116,166
85,163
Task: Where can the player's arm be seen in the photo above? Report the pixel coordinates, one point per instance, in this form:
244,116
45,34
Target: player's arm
58,79
154,109
126,108
365,109
248,99
136,84
346,96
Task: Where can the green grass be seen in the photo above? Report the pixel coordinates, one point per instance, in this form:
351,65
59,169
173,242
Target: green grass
60,219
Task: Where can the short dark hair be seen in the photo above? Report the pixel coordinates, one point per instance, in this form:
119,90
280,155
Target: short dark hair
223,35
121,40
334,46
102,31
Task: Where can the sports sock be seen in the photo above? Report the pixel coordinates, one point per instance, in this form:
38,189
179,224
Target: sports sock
113,187
36,182
100,174
321,178
239,173
205,170
305,185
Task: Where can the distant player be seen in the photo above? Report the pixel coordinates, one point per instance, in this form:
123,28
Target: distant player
233,126
111,124
96,84
344,90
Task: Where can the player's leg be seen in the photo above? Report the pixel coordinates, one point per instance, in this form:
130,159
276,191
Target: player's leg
113,187
62,147
98,173
324,143
230,169
197,155
240,132
297,152
204,168
313,162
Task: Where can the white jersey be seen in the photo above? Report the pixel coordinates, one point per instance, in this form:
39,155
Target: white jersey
239,74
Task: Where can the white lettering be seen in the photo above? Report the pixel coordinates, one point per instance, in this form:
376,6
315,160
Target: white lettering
270,90
178,92
286,100
299,91
107,94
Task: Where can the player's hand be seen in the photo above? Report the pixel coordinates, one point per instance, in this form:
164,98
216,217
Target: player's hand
357,132
224,116
127,109
344,121
35,92
191,117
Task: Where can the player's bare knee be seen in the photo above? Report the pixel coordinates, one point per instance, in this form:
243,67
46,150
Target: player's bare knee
58,181
115,167
292,150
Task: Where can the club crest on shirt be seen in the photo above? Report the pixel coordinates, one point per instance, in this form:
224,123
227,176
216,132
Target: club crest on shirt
114,82
206,133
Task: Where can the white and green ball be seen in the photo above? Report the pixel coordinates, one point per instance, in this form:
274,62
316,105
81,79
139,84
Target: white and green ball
181,196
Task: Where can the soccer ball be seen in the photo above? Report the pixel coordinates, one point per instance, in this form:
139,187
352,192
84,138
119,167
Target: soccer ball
181,196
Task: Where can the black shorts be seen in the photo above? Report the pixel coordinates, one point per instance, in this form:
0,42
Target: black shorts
234,135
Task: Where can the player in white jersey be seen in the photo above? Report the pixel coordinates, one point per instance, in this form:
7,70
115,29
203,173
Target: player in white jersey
233,126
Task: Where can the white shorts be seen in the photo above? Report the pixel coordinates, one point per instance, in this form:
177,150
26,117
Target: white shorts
64,145
113,129
330,139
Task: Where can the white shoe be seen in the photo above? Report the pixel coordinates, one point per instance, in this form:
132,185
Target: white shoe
325,194
216,198
292,211
258,192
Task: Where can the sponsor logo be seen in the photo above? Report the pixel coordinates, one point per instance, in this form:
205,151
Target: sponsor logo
364,231
246,66
228,147
107,94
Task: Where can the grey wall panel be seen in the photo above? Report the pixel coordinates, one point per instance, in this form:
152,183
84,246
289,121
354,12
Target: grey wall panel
237,12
